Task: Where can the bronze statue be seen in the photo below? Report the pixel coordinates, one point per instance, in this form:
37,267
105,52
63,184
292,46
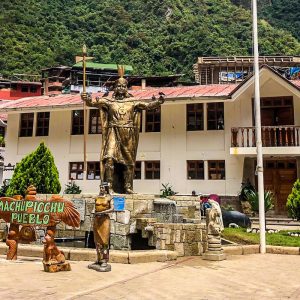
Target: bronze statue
101,229
120,120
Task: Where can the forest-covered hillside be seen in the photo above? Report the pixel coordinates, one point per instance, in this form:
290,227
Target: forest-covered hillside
155,36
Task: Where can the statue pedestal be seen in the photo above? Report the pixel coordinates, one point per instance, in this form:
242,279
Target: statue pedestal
99,268
57,267
214,255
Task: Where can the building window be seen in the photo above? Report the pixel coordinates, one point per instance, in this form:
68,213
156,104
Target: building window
26,124
138,170
152,170
153,120
215,116
2,131
42,124
95,123
93,170
76,170
33,89
194,117
216,169
195,169
24,88
77,122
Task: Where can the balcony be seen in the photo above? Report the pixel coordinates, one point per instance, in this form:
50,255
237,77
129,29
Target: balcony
275,140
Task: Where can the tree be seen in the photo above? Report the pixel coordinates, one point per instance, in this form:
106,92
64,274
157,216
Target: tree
37,168
293,201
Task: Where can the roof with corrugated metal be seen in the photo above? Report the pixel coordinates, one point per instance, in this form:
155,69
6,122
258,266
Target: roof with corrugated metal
171,93
94,65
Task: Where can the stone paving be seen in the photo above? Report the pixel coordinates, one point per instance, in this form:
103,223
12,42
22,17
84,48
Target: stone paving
255,276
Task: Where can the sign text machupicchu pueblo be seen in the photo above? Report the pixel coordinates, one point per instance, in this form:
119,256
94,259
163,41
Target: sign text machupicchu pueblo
27,212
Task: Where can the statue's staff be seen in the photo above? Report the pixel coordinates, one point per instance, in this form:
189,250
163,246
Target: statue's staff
84,58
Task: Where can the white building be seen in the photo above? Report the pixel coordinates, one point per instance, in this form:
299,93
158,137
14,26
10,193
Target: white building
201,140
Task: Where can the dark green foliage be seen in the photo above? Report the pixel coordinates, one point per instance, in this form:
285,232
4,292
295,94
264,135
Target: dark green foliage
167,191
72,188
245,189
293,201
252,197
4,188
37,168
156,37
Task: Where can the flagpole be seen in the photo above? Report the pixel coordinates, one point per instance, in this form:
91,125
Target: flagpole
259,167
84,52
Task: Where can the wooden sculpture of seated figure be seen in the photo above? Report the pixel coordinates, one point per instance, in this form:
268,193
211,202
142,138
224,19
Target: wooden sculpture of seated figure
103,206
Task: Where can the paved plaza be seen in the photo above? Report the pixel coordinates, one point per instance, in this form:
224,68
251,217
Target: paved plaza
255,276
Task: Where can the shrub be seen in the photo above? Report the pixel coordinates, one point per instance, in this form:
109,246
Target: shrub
37,168
252,197
72,188
293,201
245,189
167,191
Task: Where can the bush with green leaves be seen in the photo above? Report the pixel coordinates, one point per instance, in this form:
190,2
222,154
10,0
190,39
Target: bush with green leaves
72,188
167,191
293,201
37,168
253,199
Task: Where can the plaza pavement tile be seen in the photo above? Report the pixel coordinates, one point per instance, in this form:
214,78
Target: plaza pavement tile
256,276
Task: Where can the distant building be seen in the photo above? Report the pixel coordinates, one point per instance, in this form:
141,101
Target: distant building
100,78
234,69
19,86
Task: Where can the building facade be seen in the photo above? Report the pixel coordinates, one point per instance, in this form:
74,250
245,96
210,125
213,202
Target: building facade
201,140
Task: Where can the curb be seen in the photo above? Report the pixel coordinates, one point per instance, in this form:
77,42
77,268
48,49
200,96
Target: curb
142,256
81,254
254,249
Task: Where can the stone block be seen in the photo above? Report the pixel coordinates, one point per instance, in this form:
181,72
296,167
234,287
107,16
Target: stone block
190,236
233,250
177,236
65,233
112,227
117,256
191,249
170,247
90,208
250,249
182,236
113,216
119,242
140,207
151,256
121,229
198,235
129,204
132,227
200,248
178,247
160,245
83,255
79,233
31,251
283,250
123,217
3,248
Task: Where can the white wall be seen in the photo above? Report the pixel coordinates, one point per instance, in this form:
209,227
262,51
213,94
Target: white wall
173,146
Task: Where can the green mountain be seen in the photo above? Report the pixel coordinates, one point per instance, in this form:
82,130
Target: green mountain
279,13
155,36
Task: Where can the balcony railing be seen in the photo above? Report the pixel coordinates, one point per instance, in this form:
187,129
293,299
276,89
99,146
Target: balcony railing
272,136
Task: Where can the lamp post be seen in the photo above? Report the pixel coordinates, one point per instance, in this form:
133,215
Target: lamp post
259,167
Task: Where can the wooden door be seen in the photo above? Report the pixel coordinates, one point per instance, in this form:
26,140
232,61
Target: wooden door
279,177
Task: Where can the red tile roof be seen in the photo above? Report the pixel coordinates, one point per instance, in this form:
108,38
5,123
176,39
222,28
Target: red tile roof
73,100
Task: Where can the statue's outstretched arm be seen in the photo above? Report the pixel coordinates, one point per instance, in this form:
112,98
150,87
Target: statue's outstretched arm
155,103
97,102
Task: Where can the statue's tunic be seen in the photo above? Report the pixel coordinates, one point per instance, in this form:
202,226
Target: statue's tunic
122,132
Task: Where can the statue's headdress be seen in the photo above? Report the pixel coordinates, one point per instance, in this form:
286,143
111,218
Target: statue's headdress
121,72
